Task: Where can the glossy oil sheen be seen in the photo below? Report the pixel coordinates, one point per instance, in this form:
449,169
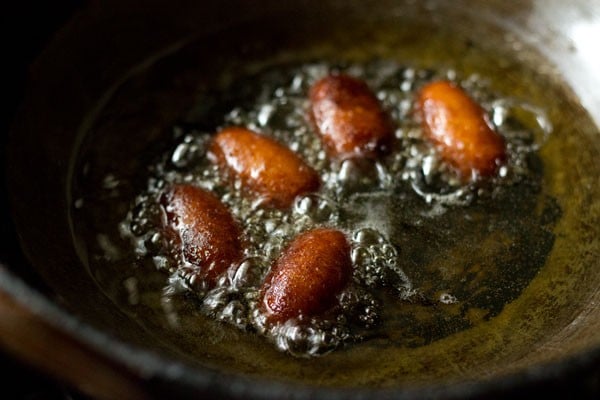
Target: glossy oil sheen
537,247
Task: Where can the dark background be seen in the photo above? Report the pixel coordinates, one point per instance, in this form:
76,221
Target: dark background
27,26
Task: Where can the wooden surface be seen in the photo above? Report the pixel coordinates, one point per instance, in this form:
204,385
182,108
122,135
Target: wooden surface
51,351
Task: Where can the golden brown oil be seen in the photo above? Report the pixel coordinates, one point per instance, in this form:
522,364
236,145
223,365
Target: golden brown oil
439,267
367,200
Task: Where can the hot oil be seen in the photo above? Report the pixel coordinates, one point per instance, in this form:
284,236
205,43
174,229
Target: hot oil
493,270
412,224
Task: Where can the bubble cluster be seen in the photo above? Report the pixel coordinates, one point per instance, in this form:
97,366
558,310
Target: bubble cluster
278,107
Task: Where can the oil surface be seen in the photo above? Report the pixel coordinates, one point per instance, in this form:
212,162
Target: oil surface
433,259
388,208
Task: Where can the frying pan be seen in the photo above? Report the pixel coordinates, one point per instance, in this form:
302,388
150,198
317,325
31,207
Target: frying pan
57,316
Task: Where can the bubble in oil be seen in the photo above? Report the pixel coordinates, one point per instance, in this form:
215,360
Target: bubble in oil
527,126
305,340
110,182
248,273
317,208
376,262
447,298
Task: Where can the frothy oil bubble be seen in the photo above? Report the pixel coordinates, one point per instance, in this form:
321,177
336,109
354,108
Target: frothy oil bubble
279,109
526,125
447,298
